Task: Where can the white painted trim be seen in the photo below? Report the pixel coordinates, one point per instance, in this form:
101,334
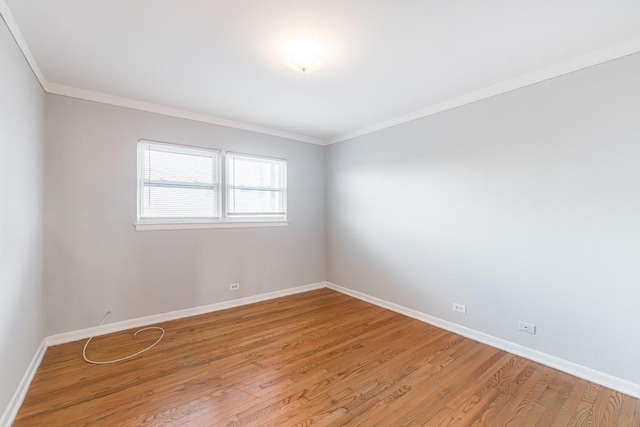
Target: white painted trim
579,63
103,98
588,60
588,374
9,415
11,411
135,104
179,314
8,18
150,226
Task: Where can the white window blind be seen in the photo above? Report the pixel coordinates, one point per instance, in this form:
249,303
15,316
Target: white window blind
177,182
256,186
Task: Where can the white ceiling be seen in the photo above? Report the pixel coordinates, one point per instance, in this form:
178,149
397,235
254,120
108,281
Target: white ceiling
383,58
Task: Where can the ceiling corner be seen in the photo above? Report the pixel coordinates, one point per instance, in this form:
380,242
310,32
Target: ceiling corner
12,25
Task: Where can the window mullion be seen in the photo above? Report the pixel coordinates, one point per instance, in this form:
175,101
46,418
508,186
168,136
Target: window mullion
224,196
185,184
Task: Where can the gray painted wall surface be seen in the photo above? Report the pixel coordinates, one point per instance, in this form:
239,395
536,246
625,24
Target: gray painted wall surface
21,148
525,206
94,259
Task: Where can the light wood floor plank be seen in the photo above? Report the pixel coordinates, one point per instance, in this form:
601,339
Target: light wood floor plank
314,359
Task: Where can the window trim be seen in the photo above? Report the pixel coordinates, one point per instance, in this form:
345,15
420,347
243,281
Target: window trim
147,226
223,221
215,154
247,217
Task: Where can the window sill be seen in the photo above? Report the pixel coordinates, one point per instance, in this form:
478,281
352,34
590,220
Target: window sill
151,226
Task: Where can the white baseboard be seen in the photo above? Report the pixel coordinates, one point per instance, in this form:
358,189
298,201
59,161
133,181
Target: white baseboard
11,411
588,374
18,397
563,365
173,315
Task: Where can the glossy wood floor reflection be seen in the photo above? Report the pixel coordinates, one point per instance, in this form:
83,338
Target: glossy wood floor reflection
318,358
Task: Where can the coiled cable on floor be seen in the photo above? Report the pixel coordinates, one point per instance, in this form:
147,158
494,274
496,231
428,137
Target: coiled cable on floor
106,362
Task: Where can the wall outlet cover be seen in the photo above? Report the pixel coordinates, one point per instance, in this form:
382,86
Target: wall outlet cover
460,308
527,327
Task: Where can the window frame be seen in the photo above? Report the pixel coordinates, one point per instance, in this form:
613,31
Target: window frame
227,186
223,220
216,156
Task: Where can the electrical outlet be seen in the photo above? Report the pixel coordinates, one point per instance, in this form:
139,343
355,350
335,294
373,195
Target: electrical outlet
527,327
460,308
234,286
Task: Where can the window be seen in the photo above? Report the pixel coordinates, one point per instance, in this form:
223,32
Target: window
178,182
180,187
255,187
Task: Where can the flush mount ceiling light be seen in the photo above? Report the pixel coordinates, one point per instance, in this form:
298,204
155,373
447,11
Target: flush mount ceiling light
304,56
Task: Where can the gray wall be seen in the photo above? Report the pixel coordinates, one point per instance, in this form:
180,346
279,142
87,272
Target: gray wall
525,206
94,259
21,141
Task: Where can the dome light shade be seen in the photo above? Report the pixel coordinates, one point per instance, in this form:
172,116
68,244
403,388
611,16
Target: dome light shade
304,57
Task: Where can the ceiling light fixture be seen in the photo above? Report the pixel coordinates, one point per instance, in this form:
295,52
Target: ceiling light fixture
304,57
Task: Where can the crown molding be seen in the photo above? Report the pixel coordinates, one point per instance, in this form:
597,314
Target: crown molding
12,25
103,98
557,70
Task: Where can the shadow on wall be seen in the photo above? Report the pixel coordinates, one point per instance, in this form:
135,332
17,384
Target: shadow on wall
20,311
522,206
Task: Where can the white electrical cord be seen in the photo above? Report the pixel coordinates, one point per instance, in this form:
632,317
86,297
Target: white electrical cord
106,362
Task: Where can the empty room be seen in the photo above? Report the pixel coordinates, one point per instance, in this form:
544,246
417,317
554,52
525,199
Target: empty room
319,212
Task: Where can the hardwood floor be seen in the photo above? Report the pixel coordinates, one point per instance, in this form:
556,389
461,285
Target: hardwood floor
318,358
